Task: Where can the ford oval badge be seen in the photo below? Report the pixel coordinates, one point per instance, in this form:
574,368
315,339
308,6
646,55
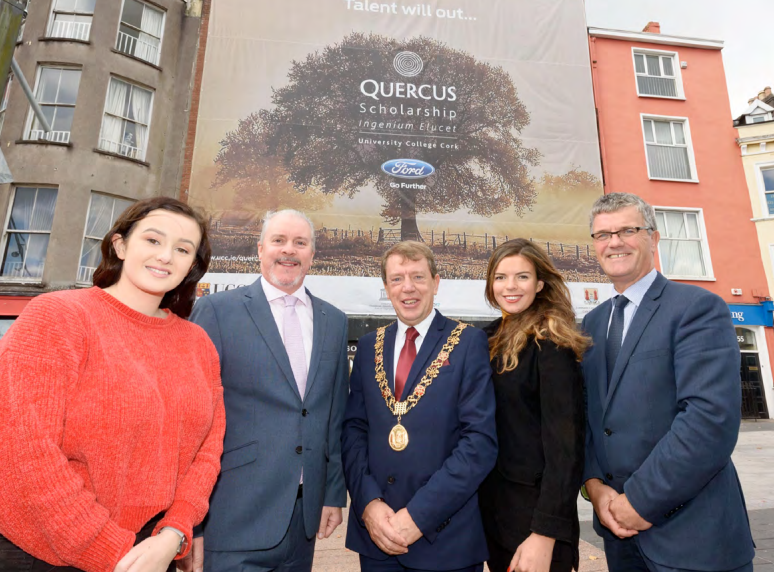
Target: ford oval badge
408,168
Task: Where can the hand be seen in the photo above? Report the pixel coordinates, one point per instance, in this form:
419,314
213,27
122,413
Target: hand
377,517
623,511
601,496
330,519
405,526
533,555
152,554
194,560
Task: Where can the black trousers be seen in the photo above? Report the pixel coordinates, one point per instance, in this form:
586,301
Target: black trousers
500,556
14,559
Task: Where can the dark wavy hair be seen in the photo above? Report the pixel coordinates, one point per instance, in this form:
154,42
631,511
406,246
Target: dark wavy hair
549,316
180,301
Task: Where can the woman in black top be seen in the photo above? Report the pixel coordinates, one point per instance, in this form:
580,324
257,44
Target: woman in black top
528,501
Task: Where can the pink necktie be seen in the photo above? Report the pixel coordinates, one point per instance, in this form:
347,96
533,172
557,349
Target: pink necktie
294,343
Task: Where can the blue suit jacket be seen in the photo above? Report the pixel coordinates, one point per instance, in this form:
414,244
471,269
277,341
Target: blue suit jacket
452,447
271,433
664,431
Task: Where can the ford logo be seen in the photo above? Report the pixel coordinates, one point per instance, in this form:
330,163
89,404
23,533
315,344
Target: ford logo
408,168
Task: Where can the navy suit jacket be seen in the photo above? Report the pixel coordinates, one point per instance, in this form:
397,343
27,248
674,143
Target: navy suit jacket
452,447
271,433
665,430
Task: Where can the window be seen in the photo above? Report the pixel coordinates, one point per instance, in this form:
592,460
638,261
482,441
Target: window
767,176
4,100
71,19
667,144
758,118
27,233
103,212
126,121
56,92
656,74
683,251
140,32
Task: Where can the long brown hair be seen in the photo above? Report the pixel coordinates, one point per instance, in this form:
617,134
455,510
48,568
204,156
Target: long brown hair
550,316
180,301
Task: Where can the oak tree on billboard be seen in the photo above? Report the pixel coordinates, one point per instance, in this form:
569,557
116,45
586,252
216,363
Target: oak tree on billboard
325,129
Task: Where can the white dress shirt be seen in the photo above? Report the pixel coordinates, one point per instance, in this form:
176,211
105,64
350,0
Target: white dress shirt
276,298
635,293
400,339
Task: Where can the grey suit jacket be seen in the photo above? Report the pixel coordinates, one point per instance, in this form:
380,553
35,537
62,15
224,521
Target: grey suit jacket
271,433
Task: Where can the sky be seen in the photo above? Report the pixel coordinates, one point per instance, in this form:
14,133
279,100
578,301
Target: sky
745,27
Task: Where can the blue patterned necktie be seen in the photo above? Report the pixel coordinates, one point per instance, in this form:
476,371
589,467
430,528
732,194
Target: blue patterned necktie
615,335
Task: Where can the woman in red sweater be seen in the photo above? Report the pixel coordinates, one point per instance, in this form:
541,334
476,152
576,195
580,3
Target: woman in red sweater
112,407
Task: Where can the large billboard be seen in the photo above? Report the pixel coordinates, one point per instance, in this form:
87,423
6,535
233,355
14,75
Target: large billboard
460,123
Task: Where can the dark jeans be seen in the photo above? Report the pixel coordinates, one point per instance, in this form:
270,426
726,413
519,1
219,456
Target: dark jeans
14,559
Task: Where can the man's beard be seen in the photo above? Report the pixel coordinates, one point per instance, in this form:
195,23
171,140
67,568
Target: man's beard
287,282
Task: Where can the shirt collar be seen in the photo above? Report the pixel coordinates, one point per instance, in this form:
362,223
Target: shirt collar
421,327
636,292
274,293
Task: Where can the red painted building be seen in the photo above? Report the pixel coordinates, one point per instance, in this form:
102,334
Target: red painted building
666,134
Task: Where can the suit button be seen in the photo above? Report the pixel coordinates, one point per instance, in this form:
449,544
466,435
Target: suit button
608,432
390,480
439,529
304,412
299,449
609,477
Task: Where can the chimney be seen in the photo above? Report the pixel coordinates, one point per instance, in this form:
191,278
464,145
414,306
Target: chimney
653,28
761,95
766,91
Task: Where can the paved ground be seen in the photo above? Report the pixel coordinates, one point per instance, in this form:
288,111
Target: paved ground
754,459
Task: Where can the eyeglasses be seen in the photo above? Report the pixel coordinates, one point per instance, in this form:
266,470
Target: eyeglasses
624,233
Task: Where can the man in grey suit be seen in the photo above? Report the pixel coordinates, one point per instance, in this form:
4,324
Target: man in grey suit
663,408
283,356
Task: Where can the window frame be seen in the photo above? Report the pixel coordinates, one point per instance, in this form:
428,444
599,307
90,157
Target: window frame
705,249
675,64
688,143
144,154
85,236
52,20
4,99
161,39
759,168
27,136
4,241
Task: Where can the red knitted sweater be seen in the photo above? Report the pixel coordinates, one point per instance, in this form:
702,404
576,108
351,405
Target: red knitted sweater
108,417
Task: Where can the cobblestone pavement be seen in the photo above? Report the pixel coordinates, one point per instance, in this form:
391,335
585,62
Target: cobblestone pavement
754,459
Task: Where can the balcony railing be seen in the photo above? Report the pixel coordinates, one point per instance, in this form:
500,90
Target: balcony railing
120,148
54,136
73,30
138,48
85,274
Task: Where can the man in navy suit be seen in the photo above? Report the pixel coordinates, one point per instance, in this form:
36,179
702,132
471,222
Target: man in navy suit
663,408
414,453
283,358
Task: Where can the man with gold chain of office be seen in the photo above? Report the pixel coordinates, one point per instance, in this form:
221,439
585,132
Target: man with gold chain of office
419,433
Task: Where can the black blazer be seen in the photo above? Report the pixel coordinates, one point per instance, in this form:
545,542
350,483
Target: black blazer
541,433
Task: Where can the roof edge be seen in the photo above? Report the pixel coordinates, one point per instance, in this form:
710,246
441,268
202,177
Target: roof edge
650,38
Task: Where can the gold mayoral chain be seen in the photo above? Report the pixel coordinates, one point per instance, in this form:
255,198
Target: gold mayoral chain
399,436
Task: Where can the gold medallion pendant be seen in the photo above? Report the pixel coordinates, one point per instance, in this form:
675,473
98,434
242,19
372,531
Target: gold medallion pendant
398,438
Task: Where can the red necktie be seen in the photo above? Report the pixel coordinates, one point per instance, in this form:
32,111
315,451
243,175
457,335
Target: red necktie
405,360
